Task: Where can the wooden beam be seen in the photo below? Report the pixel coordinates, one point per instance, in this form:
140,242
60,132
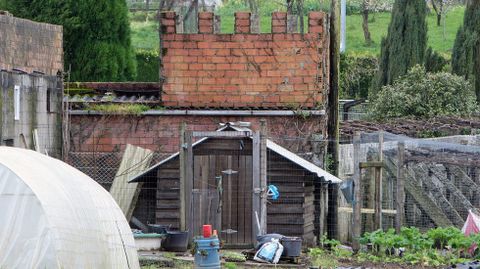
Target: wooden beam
400,199
434,212
364,165
134,161
357,201
263,174
378,184
182,157
189,182
256,191
367,210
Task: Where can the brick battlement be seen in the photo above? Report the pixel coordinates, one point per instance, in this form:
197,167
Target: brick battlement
244,70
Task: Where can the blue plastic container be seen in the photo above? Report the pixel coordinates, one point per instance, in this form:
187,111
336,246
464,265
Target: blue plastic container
207,253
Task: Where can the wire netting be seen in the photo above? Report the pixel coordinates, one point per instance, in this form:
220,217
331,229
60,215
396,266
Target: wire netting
440,175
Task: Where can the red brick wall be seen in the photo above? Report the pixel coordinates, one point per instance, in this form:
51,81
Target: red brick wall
90,133
274,70
30,46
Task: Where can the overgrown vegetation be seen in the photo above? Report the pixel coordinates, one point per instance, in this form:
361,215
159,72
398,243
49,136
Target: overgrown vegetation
124,109
147,65
424,95
356,75
440,246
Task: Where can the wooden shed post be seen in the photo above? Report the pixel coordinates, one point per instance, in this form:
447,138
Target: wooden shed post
263,174
378,184
182,177
400,199
256,191
189,182
357,201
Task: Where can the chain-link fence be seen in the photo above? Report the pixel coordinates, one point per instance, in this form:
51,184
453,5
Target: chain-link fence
223,193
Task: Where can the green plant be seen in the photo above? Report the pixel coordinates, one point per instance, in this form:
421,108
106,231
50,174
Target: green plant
230,265
434,62
356,74
96,35
148,65
127,109
405,43
231,256
424,95
465,55
321,258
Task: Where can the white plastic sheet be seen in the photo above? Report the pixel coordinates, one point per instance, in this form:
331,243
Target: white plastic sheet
54,216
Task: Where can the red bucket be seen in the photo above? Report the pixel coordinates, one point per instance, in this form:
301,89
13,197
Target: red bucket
207,231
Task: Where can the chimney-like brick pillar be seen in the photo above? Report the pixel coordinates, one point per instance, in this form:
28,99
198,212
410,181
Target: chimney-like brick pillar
242,22
167,22
279,22
315,22
205,22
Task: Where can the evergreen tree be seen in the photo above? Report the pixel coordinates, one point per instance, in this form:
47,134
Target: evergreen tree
406,41
466,54
96,33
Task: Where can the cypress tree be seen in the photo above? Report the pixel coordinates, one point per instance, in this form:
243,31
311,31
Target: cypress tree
406,41
466,54
96,33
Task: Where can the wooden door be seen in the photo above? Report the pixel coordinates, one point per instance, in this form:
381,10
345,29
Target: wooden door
222,195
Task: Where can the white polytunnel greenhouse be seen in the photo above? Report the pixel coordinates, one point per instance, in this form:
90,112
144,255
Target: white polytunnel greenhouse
54,216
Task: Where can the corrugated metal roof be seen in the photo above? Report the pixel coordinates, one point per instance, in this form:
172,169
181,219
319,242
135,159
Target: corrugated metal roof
270,145
302,162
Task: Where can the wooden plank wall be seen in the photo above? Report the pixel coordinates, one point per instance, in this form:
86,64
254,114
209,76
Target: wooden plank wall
293,214
168,193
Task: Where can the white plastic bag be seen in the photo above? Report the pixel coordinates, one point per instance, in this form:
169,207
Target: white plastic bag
270,252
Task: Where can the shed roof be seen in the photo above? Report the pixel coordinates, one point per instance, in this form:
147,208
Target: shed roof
270,145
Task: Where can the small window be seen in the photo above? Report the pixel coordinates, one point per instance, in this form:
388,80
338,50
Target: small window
8,142
49,101
16,102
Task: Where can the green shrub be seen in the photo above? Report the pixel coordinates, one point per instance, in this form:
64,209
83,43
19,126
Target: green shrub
424,95
147,65
138,16
356,75
434,62
96,34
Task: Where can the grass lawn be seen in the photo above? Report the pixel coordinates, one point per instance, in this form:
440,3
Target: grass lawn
145,35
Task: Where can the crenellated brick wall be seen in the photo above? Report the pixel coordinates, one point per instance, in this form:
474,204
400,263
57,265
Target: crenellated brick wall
30,46
243,70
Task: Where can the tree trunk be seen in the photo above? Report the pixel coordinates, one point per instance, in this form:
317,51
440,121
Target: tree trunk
438,11
476,62
333,91
292,19
147,5
366,31
255,17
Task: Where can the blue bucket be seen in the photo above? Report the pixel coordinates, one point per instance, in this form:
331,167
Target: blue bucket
207,253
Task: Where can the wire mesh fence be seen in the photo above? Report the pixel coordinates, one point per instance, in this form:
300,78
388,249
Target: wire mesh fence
439,178
223,193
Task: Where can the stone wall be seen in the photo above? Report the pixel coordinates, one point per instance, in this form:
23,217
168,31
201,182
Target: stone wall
30,46
274,70
27,103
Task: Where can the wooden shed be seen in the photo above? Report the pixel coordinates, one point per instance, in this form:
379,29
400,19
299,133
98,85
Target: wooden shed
225,188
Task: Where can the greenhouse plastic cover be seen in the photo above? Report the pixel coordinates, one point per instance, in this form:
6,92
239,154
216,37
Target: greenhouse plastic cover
54,216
